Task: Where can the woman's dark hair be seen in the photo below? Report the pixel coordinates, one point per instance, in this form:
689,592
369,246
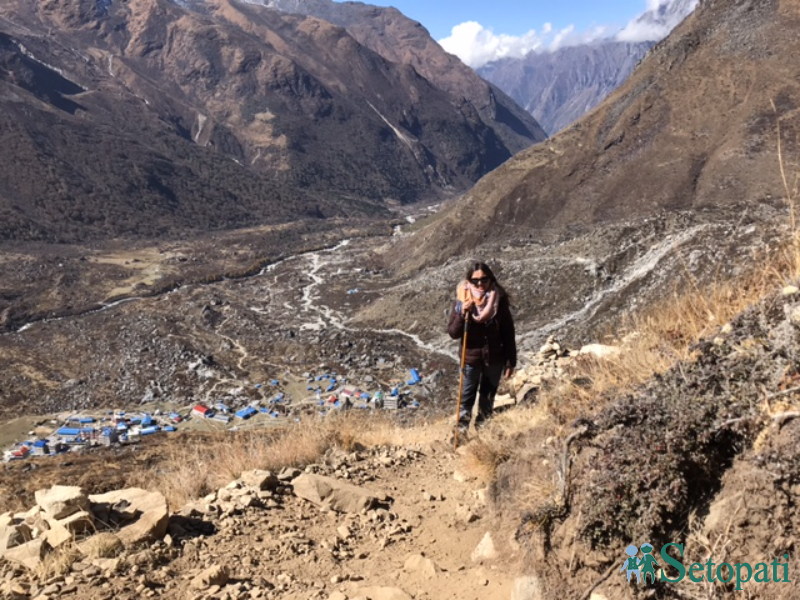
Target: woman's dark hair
482,266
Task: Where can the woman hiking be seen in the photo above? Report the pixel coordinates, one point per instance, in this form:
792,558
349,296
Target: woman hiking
491,349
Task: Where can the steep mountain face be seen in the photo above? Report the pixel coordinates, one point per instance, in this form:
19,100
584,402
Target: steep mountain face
150,117
693,128
399,39
559,87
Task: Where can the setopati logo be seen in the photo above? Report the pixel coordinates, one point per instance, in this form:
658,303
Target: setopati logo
645,568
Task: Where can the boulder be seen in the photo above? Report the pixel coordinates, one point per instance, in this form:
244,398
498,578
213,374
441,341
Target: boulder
527,588
149,512
466,514
38,522
12,590
261,480
107,565
29,554
80,522
14,534
416,563
55,533
33,512
213,575
503,401
485,550
61,501
288,473
527,393
340,496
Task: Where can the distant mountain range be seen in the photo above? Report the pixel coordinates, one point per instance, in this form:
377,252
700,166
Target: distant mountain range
157,118
558,87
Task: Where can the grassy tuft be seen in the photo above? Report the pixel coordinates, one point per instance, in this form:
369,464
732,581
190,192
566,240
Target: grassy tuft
58,562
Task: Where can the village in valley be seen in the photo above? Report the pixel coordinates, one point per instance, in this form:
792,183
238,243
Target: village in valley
278,402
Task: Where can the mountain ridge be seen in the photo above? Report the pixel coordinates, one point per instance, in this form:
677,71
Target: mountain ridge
234,114
399,39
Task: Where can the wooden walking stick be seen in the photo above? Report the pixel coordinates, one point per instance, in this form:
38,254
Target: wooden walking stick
461,378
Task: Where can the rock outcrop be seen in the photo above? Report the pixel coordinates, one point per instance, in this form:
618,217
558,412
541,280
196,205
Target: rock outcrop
66,514
341,497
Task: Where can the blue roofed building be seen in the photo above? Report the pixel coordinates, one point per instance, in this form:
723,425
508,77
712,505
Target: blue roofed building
246,412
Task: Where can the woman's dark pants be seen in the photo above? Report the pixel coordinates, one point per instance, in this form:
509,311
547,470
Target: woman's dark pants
483,381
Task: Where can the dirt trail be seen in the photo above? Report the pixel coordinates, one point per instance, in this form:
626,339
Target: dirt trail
289,548
432,513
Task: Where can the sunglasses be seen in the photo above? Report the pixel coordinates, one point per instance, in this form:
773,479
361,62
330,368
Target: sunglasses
479,281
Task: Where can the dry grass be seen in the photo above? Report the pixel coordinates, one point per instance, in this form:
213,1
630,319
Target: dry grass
102,545
483,456
655,340
528,435
58,562
203,464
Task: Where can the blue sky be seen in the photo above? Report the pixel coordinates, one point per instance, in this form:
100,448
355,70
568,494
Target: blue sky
481,31
517,17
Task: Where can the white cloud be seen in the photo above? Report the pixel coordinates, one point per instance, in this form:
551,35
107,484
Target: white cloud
661,17
475,45
642,32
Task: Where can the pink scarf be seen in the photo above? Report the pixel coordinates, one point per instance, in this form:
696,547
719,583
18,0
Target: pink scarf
485,302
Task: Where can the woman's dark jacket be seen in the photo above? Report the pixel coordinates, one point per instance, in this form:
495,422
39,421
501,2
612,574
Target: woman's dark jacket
487,343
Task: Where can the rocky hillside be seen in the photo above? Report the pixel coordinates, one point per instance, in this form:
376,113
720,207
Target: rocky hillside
387,523
400,40
670,138
704,455
559,87
153,117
